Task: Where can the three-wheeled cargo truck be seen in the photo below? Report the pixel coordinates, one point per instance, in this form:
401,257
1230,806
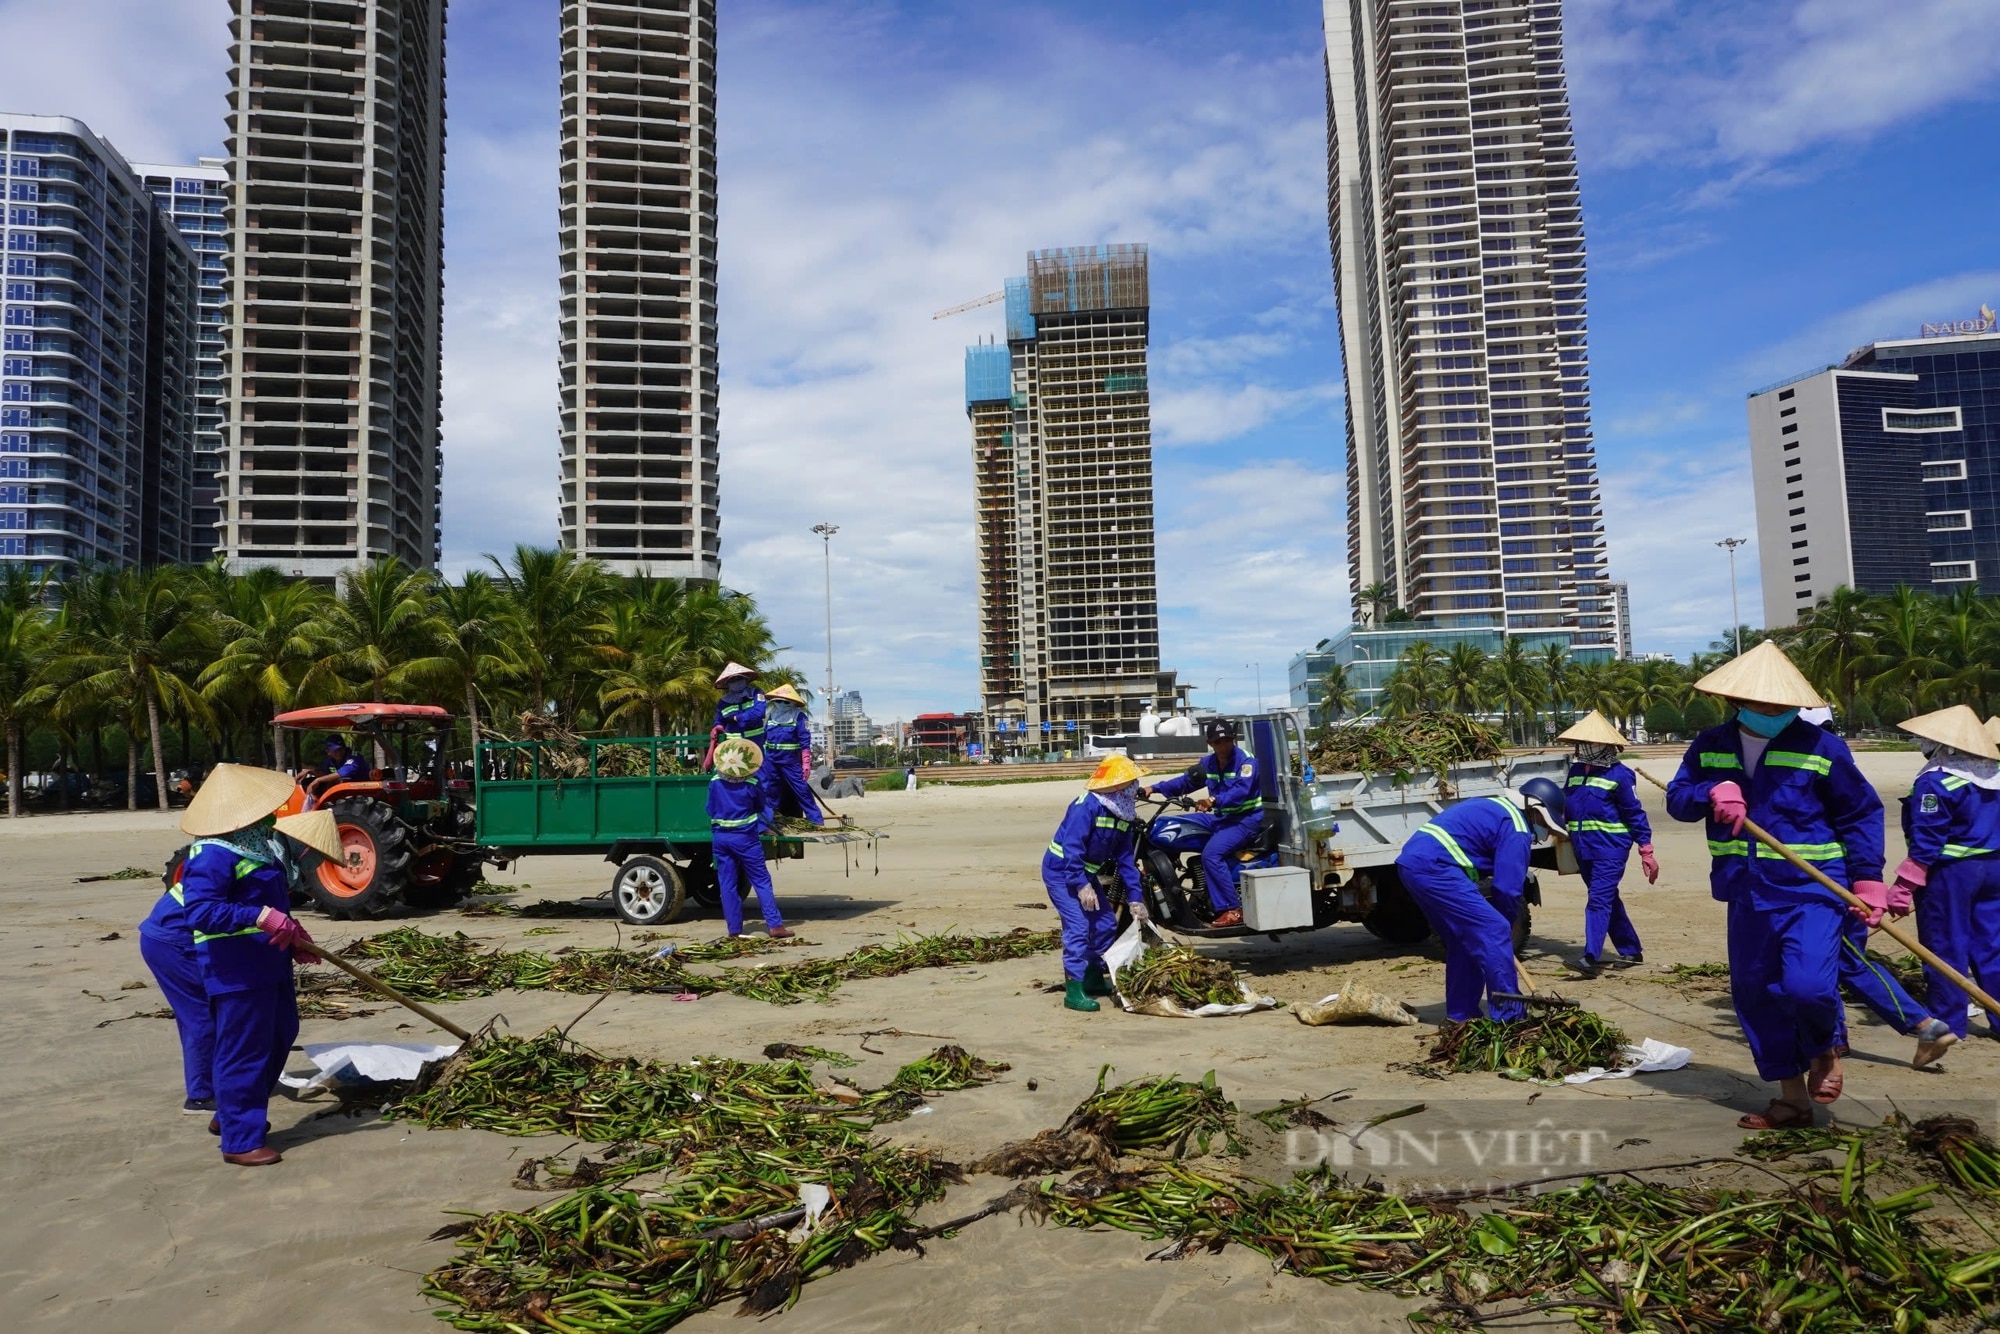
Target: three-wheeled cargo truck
1343,831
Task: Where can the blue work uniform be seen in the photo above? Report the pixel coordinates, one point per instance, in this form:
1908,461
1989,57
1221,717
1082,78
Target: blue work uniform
1785,931
1235,823
1091,842
248,980
355,769
1605,820
1953,828
787,735
737,819
1441,866
743,717
166,943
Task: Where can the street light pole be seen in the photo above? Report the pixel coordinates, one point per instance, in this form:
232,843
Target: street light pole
1735,614
826,532
1258,667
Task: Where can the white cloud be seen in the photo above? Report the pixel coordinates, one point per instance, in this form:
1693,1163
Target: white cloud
1666,511
1720,82
1206,414
1897,314
149,75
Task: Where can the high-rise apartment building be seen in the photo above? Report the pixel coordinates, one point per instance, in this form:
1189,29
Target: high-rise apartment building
335,288
1062,444
638,361
97,373
1457,235
195,199
1881,472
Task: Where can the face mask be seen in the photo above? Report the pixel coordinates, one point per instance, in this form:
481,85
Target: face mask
1603,756
1763,724
1120,802
737,690
784,711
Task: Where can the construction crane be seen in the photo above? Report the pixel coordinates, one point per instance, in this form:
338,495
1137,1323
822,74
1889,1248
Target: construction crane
963,306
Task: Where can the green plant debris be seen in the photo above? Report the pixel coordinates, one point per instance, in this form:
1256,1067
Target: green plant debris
945,1070
129,873
1687,972
1908,970
1543,1046
1167,1113
787,1051
430,967
1967,1156
1421,743
1177,973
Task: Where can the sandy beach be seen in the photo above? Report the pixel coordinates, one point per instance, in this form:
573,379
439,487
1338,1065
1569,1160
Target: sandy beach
120,1215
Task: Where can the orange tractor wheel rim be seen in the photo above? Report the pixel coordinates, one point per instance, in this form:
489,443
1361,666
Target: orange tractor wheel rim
355,874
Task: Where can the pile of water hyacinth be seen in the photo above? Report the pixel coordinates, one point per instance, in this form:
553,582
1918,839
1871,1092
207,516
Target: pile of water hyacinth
766,1181
1177,973
434,967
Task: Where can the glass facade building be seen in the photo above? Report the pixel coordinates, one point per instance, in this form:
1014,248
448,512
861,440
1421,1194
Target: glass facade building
97,374
1458,254
195,198
1881,472
1370,656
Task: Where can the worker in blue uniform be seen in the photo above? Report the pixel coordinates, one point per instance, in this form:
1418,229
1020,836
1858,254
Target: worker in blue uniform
1468,870
1095,841
1800,784
236,886
737,818
1951,821
1605,822
788,756
166,943
741,710
1232,806
345,764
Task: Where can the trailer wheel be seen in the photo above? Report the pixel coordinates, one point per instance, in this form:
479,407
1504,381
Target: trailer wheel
442,878
648,891
699,876
369,883
1395,918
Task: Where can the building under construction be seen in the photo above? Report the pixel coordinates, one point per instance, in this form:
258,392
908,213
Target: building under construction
638,355
1062,449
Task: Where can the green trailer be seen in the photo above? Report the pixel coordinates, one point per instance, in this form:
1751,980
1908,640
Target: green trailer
640,802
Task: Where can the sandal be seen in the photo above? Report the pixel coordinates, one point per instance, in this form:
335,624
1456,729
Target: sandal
1780,1115
1825,1083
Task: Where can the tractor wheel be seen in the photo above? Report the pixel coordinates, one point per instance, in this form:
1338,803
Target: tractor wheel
1395,918
372,880
648,891
441,877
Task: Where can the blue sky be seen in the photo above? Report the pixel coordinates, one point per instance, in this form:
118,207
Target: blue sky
1765,187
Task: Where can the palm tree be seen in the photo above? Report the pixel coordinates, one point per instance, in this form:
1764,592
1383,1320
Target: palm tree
24,635
136,642
384,630
1553,659
1514,682
661,676
1465,678
558,600
1595,685
1967,652
276,651
475,636
1422,668
1901,663
1375,602
1833,637
1337,694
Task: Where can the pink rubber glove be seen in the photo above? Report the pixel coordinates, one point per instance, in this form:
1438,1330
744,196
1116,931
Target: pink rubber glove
1912,876
283,928
1726,800
1873,893
1649,863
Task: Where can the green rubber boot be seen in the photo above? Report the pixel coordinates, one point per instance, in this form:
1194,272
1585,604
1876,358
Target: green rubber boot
1095,983
1074,999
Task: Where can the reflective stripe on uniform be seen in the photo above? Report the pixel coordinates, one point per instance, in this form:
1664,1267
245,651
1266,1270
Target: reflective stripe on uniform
1727,847
1963,850
1514,812
1056,849
1597,827
782,745
739,823
1953,782
1719,759
1812,852
1451,846
1794,759
203,937
1608,784
1113,822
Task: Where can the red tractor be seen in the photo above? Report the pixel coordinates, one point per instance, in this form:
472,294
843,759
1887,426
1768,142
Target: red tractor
407,828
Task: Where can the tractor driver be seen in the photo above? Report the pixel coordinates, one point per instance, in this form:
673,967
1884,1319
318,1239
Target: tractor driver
1231,807
342,766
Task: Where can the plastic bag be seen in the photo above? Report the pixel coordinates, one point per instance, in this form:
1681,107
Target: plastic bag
1125,951
1354,1003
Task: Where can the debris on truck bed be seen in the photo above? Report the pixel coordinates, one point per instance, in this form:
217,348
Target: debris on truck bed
1423,743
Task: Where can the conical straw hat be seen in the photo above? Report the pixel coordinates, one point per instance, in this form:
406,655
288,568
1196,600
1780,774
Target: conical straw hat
1958,727
786,692
1764,675
738,757
233,797
733,669
318,830
1993,728
1594,727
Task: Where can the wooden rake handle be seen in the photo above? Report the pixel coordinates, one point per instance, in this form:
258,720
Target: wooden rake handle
1893,931
381,988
